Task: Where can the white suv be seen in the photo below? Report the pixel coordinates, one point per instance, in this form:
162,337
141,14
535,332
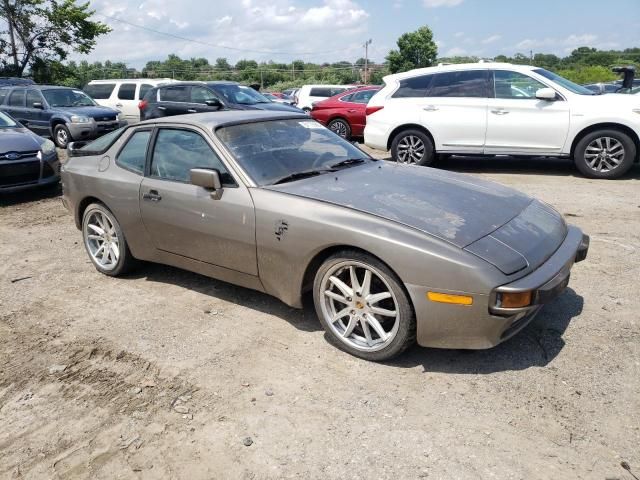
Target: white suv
308,94
502,109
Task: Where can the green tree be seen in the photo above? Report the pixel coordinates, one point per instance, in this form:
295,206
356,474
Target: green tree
45,30
415,50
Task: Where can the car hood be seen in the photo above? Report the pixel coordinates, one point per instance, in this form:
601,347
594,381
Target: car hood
93,112
272,106
500,225
18,140
457,208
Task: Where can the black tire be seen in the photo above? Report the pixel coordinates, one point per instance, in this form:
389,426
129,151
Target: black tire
125,261
61,136
423,146
306,110
585,148
340,127
405,332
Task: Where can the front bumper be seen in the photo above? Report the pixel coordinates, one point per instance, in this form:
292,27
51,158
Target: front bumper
93,129
16,175
483,325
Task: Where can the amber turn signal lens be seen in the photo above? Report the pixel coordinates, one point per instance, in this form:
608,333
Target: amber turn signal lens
448,298
515,300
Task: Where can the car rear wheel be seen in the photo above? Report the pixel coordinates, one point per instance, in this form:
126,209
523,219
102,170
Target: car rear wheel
340,127
413,147
605,154
105,242
363,307
61,136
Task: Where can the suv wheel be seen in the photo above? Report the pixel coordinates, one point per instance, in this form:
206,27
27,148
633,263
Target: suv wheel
340,127
413,147
604,154
61,136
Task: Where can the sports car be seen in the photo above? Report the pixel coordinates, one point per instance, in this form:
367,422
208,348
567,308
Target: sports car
273,201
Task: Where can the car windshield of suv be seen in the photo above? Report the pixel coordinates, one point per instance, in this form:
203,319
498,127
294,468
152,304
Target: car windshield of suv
278,151
241,94
6,121
568,84
63,97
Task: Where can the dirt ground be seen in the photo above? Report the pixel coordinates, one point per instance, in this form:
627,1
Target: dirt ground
168,374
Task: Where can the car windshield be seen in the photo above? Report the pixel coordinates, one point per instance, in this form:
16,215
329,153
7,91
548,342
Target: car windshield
63,97
272,151
241,94
6,121
568,84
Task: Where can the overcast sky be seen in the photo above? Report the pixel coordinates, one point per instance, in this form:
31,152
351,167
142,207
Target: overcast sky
332,30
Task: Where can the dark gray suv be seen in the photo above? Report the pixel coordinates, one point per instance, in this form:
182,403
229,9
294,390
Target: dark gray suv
65,114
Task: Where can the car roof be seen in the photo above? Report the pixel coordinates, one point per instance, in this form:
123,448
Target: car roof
40,87
213,120
130,80
462,66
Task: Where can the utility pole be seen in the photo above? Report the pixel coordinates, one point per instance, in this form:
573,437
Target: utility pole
366,60
530,57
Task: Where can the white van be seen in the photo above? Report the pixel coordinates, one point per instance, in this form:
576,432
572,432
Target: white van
308,94
123,94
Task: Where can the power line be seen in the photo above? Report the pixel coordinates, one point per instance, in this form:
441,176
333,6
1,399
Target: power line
200,42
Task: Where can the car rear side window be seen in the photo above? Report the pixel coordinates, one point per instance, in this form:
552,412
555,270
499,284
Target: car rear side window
144,88
466,83
16,99
127,91
99,91
33,96
413,87
321,92
3,94
133,154
363,97
177,151
174,94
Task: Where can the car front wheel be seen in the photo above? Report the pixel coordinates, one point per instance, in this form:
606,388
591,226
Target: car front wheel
413,147
105,242
605,154
61,136
363,307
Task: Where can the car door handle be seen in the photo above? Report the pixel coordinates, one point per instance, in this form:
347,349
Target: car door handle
118,105
499,111
192,110
152,195
162,108
430,108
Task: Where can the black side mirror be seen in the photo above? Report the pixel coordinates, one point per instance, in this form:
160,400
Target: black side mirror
209,179
38,105
214,103
628,73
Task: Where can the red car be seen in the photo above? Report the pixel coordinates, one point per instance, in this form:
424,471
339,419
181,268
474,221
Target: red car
344,114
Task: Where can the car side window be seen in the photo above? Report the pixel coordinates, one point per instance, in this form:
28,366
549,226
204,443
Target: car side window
413,87
465,83
321,92
133,155
177,151
3,94
16,98
201,95
514,85
174,94
99,91
144,88
127,91
33,96
363,97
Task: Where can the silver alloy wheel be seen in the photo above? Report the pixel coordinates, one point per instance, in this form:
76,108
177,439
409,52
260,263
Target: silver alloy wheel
411,150
339,127
359,306
604,154
62,137
101,239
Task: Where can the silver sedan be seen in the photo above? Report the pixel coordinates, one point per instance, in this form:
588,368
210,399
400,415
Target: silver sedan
277,203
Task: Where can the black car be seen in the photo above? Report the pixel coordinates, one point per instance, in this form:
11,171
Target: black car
26,160
195,97
63,113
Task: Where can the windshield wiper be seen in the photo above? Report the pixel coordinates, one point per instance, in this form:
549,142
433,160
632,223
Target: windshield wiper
347,163
301,175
